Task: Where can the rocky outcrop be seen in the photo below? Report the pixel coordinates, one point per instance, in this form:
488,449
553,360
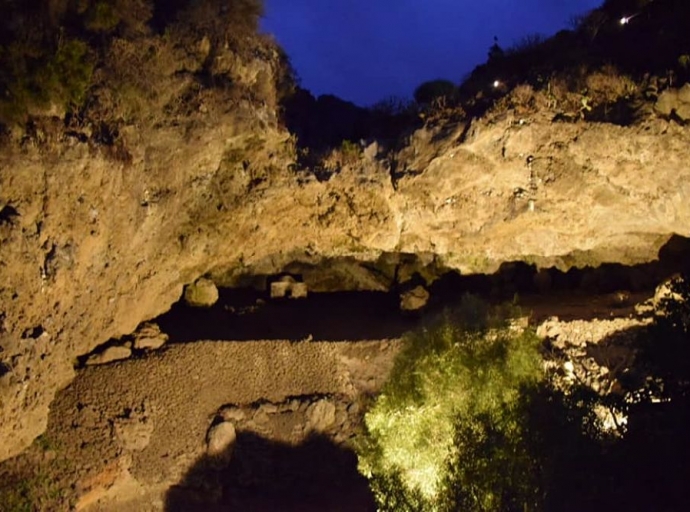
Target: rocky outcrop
92,246
675,103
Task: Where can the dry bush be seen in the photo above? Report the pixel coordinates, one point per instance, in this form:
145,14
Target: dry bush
137,81
607,86
223,22
561,97
523,99
129,17
349,153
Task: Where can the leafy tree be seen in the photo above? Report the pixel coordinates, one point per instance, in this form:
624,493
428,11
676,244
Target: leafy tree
450,421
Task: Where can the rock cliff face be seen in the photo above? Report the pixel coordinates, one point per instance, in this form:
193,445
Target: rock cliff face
91,245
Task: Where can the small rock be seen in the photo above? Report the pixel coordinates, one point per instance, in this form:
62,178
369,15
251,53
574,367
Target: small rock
665,292
288,286
353,409
666,103
299,291
109,355
293,405
549,328
645,308
260,417
269,408
201,294
675,102
279,289
520,323
414,299
234,414
149,337
221,441
320,416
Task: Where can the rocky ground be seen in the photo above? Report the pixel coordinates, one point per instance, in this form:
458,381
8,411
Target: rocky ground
262,425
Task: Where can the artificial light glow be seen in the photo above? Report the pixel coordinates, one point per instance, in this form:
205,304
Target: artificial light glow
496,84
626,19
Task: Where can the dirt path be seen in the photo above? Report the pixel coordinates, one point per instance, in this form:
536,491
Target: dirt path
126,432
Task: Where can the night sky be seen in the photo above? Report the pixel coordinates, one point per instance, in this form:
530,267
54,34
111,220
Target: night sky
367,50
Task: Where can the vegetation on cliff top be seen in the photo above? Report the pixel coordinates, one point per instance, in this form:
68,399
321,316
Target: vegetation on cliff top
110,59
610,59
458,382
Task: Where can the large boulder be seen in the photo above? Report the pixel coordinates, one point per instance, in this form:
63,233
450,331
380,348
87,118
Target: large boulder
675,103
320,416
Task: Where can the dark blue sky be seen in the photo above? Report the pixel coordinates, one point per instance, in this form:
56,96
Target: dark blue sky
366,50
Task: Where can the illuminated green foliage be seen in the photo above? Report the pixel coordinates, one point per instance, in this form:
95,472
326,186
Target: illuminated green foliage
453,403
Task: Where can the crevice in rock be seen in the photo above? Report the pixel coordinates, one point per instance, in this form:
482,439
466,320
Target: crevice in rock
33,333
8,214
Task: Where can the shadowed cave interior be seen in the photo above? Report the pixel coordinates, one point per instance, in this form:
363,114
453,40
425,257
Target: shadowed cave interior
248,313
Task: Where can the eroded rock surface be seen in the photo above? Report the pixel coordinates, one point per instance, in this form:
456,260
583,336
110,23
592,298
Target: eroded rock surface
94,246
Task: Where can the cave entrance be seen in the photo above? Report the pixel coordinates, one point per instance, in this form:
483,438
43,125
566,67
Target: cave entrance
247,314
252,311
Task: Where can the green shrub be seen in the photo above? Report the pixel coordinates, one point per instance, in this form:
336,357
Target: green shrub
16,497
105,16
684,61
350,151
455,391
102,17
664,354
36,79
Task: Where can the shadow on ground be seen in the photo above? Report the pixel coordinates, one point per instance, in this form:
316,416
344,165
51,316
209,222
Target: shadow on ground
646,469
266,476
